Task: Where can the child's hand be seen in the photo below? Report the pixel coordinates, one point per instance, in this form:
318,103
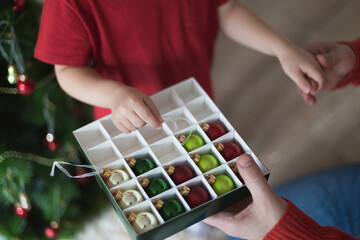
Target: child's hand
132,109
304,70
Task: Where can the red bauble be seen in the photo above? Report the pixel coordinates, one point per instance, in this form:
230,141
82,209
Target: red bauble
231,151
215,131
182,174
21,212
25,86
197,196
52,231
19,5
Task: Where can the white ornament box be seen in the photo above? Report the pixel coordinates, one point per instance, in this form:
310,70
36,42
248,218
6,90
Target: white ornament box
156,203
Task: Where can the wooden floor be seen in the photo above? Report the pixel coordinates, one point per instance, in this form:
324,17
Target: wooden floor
291,138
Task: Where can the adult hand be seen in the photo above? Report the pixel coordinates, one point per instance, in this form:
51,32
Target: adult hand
132,109
337,61
260,216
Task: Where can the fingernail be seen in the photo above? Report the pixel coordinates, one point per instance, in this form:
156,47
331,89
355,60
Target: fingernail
245,162
158,127
307,89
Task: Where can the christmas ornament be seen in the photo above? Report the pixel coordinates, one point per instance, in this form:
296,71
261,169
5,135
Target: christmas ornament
22,209
25,85
140,166
51,143
213,131
234,168
220,183
229,150
194,196
18,5
179,174
193,142
142,221
169,209
205,162
154,186
12,74
53,230
128,198
113,178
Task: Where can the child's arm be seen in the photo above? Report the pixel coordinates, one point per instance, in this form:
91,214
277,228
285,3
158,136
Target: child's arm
131,108
242,26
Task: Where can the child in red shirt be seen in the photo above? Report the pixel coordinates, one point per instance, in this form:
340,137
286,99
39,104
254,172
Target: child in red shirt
112,54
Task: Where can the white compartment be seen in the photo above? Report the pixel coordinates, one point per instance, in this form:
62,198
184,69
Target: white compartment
143,153
179,119
202,107
109,126
167,149
91,135
103,154
152,135
166,100
189,90
129,143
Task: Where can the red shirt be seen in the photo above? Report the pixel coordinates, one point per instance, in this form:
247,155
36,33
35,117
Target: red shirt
148,44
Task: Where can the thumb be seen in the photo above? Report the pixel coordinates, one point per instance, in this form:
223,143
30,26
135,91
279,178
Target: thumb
253,178
326,60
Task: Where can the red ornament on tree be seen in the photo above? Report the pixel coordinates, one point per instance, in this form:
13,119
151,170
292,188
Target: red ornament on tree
53,230
19,5
82,180
20,211
25,85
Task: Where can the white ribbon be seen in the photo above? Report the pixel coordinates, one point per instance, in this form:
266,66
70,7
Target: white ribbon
59,163
173,121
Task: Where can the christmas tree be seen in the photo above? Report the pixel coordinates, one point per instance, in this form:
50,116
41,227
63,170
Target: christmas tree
37,120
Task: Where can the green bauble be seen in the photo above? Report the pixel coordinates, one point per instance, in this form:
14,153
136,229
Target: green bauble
223,184
143,165
171,208
207,162
156,186
193,142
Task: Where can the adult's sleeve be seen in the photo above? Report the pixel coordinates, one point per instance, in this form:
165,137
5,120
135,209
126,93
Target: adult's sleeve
295,224
63,36
354,76
222,2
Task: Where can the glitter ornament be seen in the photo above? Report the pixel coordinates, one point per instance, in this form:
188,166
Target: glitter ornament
154,186
206,162
194,196
140,166
116,177
193,142
169,209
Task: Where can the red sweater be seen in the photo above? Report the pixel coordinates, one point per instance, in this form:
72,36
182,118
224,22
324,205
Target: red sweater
148,45
295,224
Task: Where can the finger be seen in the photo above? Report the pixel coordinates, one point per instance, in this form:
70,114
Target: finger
314,86
151,105
128,125
319,47
120,126
326,60
298,77
254,179
308,98
147,115
136,120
